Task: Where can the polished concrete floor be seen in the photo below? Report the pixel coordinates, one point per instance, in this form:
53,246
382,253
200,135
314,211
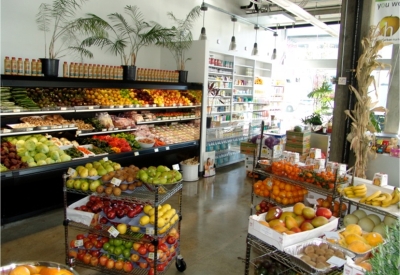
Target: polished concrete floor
214,224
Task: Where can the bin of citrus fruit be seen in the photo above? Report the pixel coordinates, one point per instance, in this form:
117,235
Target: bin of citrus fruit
306,174
280,191
37,268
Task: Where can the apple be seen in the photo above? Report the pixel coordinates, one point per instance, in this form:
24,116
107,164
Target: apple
94,261
88,244
95,253
143,264
103,260
104,240
135,257
151,248
120,213
151,271
110,263
160,267
324,212
142,250
171,240
103,220
111,214
136,246
119,264
128,267
163,247
73,254
86,258
80,237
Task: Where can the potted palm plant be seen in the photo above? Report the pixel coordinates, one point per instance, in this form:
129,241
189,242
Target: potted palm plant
181,40
124,37
58,20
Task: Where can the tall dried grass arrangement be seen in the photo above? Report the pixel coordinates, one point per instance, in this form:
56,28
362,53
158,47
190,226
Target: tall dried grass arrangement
362,134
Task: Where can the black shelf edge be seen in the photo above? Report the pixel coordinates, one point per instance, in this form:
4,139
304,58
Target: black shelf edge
63,82
113,157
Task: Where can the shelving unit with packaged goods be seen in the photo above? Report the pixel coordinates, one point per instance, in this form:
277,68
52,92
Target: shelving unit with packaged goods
143,195
13,179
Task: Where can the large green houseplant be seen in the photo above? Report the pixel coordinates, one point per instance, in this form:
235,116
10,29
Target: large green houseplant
124,37
58,20
181,39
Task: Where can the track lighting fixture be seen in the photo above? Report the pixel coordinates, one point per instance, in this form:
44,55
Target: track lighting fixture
203,35
232,45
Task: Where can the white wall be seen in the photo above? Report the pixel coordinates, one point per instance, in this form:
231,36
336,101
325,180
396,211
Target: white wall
20,36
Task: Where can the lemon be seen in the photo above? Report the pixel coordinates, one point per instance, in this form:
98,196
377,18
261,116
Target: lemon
166,207
152,219
147,208
144,220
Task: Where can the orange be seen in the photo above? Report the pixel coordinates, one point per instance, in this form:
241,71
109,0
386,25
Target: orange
373,238
54,271
359,247
350,238
288,187
352,229
20,270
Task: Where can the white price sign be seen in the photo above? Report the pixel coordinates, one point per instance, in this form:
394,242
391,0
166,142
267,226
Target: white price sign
78,243
155,150
116,181
136,154
336,261
90,108
63,108
113,231
105,158
150,231
312,201
71,171
175,167
167,148
332,235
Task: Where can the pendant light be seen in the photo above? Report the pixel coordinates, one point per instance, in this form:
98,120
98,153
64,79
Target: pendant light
203,35
255,47
273,57
232,46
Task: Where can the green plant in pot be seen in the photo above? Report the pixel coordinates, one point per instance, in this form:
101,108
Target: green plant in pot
323,96
124,37
181,40
58,20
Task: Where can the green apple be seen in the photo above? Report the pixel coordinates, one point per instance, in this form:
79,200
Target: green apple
70,183
85,186
77,184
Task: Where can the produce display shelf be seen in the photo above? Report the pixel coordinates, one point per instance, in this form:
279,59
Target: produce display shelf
370,208
274,202
136,108
114,157
285,258
140,194
38,112
220,67
166,120
242,75
65,82
80,134
219,73
307,186
135,271
38,132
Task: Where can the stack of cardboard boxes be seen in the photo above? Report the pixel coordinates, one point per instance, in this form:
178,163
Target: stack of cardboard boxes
298,142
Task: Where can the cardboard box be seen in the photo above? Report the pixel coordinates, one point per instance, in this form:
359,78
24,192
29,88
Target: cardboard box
302,149
267,153
350,268
298,137
86,218
280,241
249,163
248,148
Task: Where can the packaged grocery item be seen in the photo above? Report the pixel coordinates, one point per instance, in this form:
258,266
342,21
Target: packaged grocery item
315,153
380,179
294,157
319,165
105,119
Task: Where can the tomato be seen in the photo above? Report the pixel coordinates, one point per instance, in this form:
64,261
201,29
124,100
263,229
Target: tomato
80,237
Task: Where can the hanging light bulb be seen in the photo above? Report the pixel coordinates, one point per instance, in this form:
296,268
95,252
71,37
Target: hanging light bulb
255,47
273,57
232,45
203,35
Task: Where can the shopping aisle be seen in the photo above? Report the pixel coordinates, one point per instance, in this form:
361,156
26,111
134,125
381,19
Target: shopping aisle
213,238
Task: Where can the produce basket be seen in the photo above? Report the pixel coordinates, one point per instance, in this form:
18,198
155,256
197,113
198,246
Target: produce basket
5,270
298,252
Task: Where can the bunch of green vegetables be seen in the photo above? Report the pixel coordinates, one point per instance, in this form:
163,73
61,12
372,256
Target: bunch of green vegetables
103,145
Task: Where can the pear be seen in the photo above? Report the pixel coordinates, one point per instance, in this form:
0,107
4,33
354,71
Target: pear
83,173
88,165
92,172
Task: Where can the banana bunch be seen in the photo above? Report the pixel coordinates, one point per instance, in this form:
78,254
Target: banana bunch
357,191
382,199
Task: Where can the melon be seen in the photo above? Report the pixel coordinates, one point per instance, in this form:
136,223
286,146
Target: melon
359,213
375,218
350,219
366,224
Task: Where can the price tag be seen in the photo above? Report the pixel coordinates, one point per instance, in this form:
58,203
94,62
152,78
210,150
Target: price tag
113,231
150,231
90,108
175,167
116,181
103,130
105,158
336,261
71,171
78,243
167,148
63,108
155,150
269,183
78,132
16,110
136,154
128,127
332,235
151,255
312,201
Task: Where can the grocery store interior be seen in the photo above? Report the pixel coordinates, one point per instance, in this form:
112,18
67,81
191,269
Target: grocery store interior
261,111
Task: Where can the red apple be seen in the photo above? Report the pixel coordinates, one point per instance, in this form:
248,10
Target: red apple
151,248
136,246
95,253
86,258
143,264
80,237
163,247
160,267
103,260
119,265
324,212
110,263
94,261
88,245
128,267
142,250
171,239
151,271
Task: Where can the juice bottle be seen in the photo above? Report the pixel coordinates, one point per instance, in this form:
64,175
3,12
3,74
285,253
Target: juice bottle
7,65
14,70
27,67
33,67
39,68
20,66
65,69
